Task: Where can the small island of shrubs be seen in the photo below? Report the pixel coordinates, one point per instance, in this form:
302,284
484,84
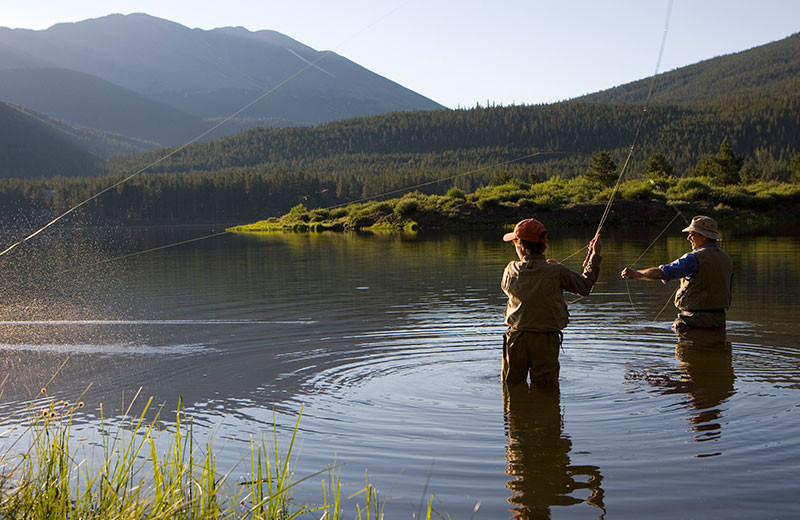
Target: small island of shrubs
578,201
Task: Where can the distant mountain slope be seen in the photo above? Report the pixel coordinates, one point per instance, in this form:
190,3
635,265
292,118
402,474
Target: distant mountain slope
768,70
92,102
32,147
210,74
566,134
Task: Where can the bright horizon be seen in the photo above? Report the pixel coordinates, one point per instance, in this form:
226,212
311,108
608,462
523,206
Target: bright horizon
512,52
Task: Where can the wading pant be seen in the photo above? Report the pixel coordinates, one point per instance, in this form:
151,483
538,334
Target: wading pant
531,352
688,320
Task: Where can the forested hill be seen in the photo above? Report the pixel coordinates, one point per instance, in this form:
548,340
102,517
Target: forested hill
752,99
32,146
771,70
563,136
266,171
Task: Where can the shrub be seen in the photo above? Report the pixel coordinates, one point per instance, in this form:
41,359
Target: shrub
733,196
455,193
513,196
405,207
298,212
488,202
371,209
689,190
776,190
547,201
639,190
579,189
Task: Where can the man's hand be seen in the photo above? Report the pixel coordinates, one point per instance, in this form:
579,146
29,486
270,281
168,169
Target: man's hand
631,274
593,249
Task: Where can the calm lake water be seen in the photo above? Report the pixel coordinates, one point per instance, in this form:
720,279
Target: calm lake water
391,348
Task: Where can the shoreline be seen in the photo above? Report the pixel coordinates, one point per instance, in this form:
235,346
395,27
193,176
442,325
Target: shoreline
783,217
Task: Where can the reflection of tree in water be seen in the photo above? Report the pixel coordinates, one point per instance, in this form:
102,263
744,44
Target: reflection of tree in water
538,456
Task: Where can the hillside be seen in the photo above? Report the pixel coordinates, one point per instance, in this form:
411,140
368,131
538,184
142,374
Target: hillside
563,136
210,74
751,99
266,171
92,102
765,71
30,146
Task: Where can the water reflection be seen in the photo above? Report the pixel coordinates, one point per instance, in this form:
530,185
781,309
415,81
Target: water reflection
705,359
367,330
537,456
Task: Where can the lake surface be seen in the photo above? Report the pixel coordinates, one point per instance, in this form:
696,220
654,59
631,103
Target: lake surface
391,348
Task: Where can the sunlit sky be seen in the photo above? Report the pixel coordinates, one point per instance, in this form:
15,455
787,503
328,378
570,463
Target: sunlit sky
471,51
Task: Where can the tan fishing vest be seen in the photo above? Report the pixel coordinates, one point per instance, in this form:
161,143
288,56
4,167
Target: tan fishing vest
710,289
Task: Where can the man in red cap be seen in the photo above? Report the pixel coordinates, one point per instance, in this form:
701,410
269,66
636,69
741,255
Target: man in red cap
536,311
705,274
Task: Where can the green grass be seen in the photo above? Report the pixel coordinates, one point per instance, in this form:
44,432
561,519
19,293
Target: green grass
52,478
498,203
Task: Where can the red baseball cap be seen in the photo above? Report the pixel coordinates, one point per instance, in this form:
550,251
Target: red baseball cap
530,230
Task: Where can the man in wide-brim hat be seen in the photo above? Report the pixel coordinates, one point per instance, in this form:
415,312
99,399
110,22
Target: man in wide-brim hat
705,274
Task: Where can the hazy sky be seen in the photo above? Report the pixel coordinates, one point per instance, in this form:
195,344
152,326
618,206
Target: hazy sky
460,53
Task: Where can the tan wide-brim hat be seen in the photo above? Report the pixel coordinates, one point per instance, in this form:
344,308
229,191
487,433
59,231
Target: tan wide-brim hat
706,226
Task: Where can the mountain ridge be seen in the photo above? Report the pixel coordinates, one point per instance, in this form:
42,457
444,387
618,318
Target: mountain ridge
759,114
210,73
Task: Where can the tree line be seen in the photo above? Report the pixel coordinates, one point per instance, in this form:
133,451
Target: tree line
265,171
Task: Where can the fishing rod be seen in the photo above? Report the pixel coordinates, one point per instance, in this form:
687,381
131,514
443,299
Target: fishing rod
641,119
631,149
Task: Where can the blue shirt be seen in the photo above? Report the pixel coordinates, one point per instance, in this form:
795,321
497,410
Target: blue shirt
684,267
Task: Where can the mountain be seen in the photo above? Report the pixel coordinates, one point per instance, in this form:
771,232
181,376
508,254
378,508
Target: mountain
751,99
210,74
32,146
89,101
755,107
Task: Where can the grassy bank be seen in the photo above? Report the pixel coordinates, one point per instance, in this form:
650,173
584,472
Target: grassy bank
578,201
149,474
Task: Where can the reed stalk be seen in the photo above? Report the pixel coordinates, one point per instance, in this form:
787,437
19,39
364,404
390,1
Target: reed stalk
52,478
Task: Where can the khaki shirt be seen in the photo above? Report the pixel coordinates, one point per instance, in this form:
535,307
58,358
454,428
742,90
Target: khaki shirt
535,292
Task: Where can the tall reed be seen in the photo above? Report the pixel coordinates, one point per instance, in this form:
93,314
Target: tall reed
52,478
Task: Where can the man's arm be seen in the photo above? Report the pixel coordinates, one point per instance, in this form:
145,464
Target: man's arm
582,283
652,273
684,267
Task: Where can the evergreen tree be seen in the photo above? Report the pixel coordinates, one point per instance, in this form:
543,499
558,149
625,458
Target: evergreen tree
724,167
748,173
796,169
602,169
730,163
658,166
